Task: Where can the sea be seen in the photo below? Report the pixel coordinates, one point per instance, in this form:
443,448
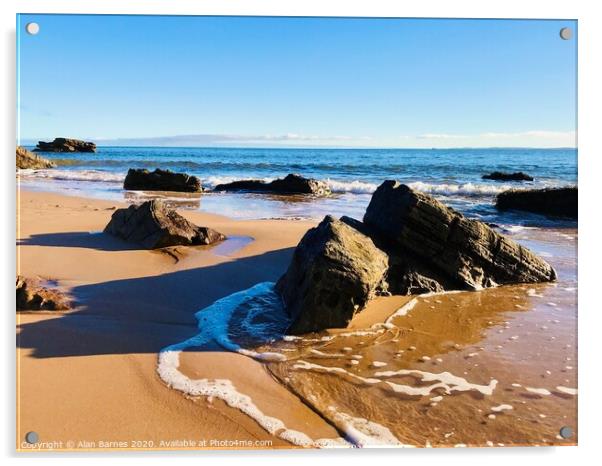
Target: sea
452,175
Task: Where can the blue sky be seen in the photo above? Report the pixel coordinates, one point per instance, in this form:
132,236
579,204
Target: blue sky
288,82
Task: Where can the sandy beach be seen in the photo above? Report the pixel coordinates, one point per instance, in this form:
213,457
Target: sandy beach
90,374
87,378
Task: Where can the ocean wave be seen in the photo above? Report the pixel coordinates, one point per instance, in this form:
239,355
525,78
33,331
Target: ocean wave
465,189
354,187
336,186
73,175
443,189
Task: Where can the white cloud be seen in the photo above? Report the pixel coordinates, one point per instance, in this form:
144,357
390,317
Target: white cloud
289,139
532,138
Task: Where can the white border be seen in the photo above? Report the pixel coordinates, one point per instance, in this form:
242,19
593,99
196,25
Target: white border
590,154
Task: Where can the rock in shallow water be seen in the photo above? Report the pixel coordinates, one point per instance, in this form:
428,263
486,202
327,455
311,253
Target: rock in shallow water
501,176
26,159
560,202
153,225
409,243
335,270
161,180
291,184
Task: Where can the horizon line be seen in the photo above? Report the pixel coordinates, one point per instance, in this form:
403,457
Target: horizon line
28,142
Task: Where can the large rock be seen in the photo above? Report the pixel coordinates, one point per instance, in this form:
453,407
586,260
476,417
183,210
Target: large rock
291,184
26,159
66,145
32,296
560,202
501,176
408,243
406,274
153,225
468,253
161,180
335,270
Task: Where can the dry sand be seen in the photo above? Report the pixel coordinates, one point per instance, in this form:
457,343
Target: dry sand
90,375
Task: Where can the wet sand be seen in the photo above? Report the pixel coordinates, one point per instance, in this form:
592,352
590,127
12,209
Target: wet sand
517,349
91,374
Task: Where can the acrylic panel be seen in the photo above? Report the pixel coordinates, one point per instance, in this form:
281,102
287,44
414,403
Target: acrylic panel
284,232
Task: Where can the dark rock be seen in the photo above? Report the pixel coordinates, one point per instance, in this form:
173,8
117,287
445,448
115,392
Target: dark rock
65,145
161,180
335,270
405,274
501,176
242,185
291,184
153,225
26,159
468,253
559,202
408,243
31,296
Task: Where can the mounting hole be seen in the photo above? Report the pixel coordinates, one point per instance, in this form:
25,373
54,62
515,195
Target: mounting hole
32,437
32,28
566,432
566,33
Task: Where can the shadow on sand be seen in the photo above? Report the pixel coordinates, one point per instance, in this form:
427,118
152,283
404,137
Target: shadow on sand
143,315
79,239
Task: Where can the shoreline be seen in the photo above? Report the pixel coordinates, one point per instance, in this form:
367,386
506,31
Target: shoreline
125,318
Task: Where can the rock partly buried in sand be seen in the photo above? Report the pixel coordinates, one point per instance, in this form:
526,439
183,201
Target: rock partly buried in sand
335,270
26,159
501,176
65,145
291,184
559,202
468,253
153,225
161,180
31,296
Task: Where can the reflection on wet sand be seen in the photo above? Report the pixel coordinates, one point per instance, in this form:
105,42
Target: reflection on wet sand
457,369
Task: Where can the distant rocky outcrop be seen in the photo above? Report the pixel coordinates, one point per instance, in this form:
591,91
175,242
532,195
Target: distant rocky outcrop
335,270
161,180
32,296
501,176
408,243
558,202
291,184
66,145
26,159
152,225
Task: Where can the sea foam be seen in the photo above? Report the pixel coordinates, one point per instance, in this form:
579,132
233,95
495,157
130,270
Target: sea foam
214,322
213,327
73,175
